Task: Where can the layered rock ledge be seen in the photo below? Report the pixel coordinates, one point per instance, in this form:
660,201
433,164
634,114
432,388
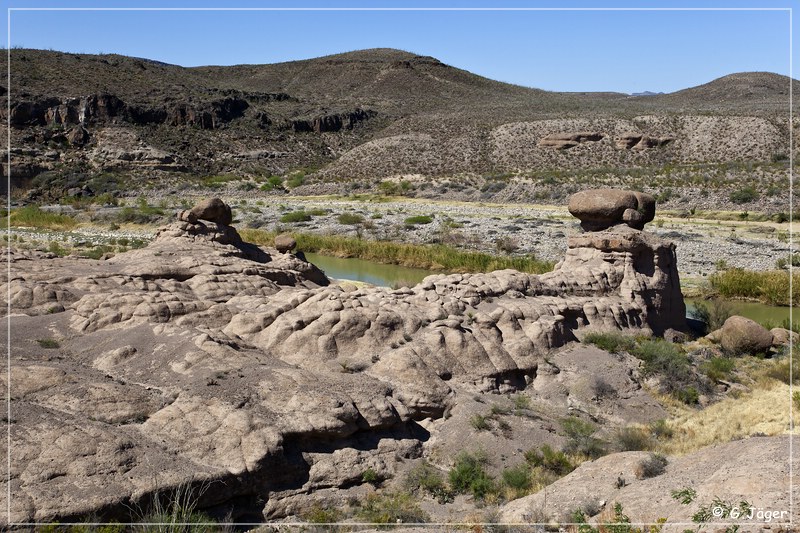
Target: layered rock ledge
204,360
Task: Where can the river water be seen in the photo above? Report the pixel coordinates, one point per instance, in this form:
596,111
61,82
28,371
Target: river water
394,275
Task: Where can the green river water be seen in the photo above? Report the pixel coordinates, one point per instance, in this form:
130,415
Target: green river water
387,275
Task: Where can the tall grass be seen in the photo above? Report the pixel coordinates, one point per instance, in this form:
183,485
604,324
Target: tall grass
32,216
770,287
431,257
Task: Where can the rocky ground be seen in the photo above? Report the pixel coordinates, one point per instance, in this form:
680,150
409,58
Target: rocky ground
206,366
702,245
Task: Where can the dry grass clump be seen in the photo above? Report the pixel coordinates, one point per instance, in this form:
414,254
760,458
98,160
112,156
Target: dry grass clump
763,411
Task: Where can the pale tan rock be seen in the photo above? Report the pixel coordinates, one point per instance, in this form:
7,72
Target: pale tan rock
742,335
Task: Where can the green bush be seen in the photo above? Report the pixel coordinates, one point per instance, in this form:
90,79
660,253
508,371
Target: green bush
783,371
517,477
48,344
688,395
580,438
469,475
425,477
273,182
418,220
554,461
660,429
33,216
322,515
610,342
479,423
665,359
296,180
744,195
718,368
350,219
370,476
295,216
713,316
391,508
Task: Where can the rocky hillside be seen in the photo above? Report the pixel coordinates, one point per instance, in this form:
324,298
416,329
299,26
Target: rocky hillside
359,117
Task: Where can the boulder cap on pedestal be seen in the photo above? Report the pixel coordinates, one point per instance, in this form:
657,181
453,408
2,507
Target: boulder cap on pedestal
600,209
213,210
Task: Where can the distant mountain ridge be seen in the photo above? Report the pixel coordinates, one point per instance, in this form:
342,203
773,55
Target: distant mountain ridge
368,113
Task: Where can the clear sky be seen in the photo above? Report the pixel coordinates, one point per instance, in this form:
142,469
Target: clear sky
625,51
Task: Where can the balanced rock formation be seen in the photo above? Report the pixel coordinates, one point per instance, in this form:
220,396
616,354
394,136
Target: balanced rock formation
285,243
213,210
205,360
599,209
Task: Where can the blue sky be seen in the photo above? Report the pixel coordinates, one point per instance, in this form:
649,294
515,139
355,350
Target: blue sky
625,51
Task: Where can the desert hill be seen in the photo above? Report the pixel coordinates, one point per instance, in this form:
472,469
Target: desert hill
360,117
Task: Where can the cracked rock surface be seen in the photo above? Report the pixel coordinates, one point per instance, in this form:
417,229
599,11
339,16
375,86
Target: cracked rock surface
202,360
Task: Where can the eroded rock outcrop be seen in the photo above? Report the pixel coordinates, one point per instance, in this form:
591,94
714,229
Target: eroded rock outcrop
202,359
563,141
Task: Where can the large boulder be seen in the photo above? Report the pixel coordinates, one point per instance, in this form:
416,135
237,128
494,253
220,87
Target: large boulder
741,335
600,209
285,243
213,210
783,337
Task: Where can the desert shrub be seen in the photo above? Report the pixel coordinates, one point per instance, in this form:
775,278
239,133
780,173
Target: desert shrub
713,315
580,438
522,402
391,508
350,219
143,213
785,372
610,342
273,182
660,429
295,216
479,422
57,249
517,478
602,388
469,475
554,461
48,344
425,477
432,257
688,395
33,216
418,220
630,439
322,515
295,180
370,476
735,282
653,465
744,195
771,287
506,245
176,512
718,368
665,359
